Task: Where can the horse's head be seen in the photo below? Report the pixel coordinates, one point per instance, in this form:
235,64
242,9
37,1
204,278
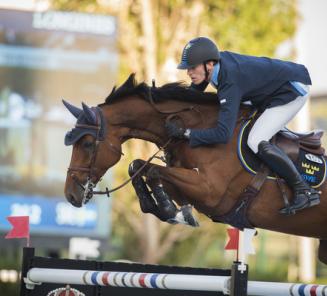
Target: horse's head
131,111
93,152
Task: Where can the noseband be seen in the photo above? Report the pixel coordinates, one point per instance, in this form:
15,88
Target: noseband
91,169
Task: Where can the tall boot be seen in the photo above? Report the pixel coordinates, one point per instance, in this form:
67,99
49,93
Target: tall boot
281,164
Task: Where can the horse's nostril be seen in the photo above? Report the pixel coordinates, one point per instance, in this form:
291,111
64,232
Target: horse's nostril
73,201
70,198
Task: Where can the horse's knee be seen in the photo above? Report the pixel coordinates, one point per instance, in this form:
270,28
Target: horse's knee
134,166
152,174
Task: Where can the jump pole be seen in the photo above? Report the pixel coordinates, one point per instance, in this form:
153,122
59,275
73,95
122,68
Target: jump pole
167,281
234,285
128,279
45,274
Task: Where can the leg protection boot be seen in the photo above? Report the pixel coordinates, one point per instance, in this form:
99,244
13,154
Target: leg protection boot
280,163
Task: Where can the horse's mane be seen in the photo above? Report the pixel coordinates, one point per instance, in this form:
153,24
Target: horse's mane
178,91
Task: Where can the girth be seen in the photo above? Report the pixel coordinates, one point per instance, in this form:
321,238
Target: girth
237,216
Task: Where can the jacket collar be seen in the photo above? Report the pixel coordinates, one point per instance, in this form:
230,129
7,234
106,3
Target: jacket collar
214,78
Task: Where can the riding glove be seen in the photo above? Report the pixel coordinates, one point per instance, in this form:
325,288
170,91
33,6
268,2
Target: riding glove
175,131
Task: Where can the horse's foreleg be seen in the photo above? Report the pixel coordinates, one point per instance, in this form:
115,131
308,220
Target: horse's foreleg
147,203
165,204
191,185
187,186
158,202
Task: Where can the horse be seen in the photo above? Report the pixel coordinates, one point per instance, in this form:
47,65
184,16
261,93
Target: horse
209,178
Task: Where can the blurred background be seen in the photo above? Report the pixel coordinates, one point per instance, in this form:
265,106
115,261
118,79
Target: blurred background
80,49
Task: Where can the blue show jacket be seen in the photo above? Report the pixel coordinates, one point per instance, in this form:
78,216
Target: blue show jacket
263,81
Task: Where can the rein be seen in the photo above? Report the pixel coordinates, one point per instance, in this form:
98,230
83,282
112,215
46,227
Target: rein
90,185
88,188
137,172
190,108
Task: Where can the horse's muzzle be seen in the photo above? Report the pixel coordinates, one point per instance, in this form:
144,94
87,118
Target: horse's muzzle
74,195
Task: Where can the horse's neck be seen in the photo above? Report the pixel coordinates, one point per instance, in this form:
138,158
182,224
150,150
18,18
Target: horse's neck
148,121
143,121
139,120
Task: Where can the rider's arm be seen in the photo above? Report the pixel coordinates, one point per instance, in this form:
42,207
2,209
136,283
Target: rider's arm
230,99
200,87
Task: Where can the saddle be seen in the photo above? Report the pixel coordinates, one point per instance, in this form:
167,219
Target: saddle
304,149
291,142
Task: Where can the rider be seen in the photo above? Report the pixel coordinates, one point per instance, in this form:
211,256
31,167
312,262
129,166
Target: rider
279,87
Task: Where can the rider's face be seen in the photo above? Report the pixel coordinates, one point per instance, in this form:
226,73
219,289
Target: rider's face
198,74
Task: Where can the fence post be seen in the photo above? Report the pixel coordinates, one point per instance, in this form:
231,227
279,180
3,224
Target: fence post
239,279
28,254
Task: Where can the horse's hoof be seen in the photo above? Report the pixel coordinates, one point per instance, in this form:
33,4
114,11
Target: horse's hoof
172,221
184,216
189,218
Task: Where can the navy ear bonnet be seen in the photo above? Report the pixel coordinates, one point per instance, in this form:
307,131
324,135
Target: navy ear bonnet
90,121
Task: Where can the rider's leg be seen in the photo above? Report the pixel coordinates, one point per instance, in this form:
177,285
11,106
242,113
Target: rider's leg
279,162
267,125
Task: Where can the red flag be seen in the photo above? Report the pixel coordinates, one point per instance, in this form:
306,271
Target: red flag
233,234
21,227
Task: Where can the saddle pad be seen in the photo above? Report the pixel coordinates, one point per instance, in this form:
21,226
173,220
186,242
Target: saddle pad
312,167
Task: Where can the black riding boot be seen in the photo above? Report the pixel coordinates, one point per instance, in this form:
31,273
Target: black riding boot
281,164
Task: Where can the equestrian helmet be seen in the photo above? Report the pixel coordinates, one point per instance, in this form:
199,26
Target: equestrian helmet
197,51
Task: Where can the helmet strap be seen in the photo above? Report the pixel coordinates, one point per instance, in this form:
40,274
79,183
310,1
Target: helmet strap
206,71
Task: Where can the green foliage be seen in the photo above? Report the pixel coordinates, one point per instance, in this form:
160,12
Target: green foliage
253,27
9,289
90,6
10,259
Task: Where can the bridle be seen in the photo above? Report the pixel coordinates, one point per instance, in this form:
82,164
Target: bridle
88,188
91,169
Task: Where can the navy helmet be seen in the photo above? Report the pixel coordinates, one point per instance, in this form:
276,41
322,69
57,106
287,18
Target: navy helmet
198,51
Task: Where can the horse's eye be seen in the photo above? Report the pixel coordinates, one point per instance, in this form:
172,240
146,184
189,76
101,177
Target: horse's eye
88,145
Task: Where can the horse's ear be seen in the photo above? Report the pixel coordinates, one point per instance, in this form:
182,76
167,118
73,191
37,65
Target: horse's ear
72,109
89,114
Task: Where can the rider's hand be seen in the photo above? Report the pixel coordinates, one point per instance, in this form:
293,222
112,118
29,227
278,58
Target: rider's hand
175,131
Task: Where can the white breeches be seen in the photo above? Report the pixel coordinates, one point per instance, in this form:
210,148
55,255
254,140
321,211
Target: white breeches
274,119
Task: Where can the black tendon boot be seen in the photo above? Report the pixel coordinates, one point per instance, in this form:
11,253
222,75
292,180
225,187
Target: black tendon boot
183,215
280,163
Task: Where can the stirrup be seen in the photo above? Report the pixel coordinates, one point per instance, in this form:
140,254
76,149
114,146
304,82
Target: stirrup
288,211
310,202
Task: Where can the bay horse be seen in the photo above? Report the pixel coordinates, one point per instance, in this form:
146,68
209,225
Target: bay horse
209,178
